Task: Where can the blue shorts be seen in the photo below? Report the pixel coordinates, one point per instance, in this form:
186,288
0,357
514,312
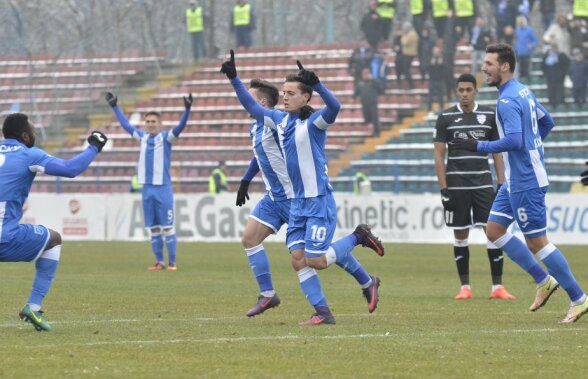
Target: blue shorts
27,244
530,211
158,206
270,213
312,224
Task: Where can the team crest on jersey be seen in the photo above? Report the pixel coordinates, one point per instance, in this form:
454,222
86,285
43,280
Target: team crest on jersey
481,118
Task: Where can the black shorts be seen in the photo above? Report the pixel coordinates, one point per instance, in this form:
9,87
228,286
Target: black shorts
471,204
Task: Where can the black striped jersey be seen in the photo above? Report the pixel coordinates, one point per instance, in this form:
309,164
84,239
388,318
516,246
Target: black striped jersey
466,169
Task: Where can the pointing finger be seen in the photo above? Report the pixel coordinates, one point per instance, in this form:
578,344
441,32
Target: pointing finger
299,65
232,56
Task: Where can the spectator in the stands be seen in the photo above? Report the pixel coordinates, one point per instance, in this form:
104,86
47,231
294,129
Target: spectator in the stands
426,43
579,76
525,43
506,14
558,33
370,26
547,10
555,67
481,37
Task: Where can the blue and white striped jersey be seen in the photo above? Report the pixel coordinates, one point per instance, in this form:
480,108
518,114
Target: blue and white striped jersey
302,141
271,161
155,151
518,111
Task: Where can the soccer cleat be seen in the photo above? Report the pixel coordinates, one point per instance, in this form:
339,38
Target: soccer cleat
365,238
156,267
501,293
575,312
371,293
263,304
35,318
172,267
465,293
319,319
543,293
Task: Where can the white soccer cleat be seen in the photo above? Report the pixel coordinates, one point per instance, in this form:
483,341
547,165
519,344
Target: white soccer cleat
575,312
543,293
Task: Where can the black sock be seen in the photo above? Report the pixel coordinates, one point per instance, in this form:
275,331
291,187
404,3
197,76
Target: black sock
462,261
496,263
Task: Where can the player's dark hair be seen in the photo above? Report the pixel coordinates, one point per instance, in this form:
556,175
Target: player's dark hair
15,125
505,54
267,90
304,88
153,113
467,78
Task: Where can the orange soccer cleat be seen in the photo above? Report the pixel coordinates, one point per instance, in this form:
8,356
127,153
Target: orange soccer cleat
501,293
464,294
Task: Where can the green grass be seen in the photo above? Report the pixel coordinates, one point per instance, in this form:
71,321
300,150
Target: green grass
113,319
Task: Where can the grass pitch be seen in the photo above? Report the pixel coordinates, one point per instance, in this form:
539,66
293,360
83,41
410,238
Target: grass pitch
114,319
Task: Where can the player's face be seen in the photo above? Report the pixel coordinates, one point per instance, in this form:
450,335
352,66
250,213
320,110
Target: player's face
466,93
29,140
294,99
152,124
492,69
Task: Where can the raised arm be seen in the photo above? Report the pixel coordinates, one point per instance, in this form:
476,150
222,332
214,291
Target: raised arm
184,119
330,112
122,119
73,167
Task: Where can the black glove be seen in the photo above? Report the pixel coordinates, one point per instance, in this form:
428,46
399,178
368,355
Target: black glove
111,99
469,144
305,112
188,101
242,193
228,67
448,205
306,76
584,176
97,139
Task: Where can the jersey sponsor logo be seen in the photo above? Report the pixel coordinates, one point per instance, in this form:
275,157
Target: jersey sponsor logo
481,118
460,135
477,134
9,148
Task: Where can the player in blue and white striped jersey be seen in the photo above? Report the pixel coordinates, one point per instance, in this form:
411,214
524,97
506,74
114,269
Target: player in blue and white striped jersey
20,161
523,123
154,175
313,212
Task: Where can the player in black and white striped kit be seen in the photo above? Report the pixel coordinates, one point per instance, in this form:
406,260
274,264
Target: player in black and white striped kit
466,185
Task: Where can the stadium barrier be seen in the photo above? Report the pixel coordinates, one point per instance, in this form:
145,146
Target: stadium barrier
404,218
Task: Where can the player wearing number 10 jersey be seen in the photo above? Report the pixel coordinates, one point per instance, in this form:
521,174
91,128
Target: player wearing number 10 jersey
523,123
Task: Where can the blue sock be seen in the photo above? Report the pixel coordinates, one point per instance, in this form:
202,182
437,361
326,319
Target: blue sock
170,243
310,284
558,266
353,267
260,266
46,269
157,247
521,255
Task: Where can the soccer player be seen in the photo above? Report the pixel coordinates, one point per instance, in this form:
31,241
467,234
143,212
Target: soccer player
523,123
313,212
154,167
20,161
466,181
273,209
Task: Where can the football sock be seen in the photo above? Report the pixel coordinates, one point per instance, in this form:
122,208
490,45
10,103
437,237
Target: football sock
558,266
157,247
46,266
496,263
521,255
170,243
461,252
355,269
259,264
310,284
340,250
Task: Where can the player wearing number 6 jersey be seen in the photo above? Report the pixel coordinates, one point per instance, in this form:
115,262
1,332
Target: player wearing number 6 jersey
523,123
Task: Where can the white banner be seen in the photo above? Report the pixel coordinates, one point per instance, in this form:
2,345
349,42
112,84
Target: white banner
201,217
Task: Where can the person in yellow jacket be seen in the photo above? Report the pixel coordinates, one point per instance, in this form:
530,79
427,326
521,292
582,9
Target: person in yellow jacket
195,27
217,181
243,23
386,9
465,15
580,9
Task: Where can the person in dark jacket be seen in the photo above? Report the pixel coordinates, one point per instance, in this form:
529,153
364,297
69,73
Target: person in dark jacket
368,91
437,73
579,75
370,26
425,50
555,66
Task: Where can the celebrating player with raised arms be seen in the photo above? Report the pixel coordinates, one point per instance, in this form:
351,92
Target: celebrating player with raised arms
313,212
154,175
523,123
20,161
